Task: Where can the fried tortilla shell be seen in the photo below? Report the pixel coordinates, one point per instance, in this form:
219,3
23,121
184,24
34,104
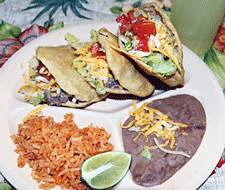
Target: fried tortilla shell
58,61
156,13
91,63
122,69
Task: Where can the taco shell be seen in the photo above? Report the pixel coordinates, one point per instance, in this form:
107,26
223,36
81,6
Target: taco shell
156,15
58,61
122,69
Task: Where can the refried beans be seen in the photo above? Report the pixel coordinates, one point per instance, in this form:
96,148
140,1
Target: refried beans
179,108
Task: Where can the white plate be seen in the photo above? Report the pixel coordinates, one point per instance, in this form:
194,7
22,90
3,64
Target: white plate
199,82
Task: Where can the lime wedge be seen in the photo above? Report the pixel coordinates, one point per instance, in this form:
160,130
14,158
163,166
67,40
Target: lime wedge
106,169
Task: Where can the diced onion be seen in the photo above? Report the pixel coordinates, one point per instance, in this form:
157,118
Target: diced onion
42,70
123,39
173,128
43,79
156,40
139,53
165,124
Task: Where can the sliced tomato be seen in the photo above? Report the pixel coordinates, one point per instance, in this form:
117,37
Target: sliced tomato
143,30
124,23
96,50
139,27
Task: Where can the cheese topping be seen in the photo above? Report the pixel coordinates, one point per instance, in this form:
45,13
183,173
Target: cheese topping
40,86
35,84
170,54
127,53
165,40
161,42
97,67
152,121
33,112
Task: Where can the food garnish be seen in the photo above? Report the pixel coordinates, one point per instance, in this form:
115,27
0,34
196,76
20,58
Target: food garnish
91,62
35,111
148,38
37,82
169,151
105,170
148,121
146,154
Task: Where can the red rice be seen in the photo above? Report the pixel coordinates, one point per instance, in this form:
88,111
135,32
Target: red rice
55,151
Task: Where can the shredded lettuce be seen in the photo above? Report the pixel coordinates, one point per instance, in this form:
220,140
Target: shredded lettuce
73,41
94,35
70,38
34,76
35,100
129,45
82,70
160,65
56,26
98,87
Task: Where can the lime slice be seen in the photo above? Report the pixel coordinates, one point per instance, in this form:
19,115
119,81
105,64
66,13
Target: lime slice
106,169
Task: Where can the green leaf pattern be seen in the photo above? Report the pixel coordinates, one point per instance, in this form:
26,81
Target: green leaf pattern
52,6
8,31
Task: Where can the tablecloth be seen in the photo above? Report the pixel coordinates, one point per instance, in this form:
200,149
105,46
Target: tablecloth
13,12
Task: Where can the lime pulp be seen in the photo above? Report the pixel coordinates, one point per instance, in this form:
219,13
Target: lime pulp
106,169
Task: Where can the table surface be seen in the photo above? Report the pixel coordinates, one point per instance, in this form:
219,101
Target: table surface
99,11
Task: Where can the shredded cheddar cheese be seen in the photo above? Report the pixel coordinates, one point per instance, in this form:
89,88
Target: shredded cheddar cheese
32,87
127,53
185,134
158,27
149,17
170,54
159,50
98,65
153,121
37,110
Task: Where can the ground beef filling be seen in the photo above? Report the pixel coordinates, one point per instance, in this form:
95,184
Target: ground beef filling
55,100
180,108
